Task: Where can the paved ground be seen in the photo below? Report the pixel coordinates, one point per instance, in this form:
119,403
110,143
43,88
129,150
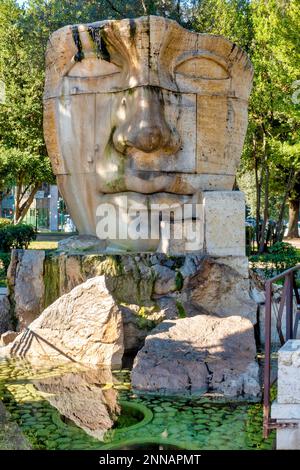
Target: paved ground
48,236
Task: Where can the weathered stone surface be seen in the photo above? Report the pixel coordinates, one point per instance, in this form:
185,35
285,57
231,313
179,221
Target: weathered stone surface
84,326
79,243
171,118
26,285
199,354
134,329
129,278
259,296
5,316
79,397
131,281
8,337
191,265
224,231
165,280
287,438
218,289
289,373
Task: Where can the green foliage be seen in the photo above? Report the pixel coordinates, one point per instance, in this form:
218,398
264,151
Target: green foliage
111,266
178,280
281,256
180,309
144,323
23,158
4,222
5,260
283,248
16,236
4,263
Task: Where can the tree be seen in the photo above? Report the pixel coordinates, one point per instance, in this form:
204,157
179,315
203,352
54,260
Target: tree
23,156
269,31
273,111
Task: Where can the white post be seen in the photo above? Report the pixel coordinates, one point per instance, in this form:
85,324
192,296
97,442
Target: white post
286,409
53,216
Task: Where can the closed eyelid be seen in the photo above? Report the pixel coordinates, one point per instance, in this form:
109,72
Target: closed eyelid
198,55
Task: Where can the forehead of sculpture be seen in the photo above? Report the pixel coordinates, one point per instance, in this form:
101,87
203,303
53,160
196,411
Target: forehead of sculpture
117,55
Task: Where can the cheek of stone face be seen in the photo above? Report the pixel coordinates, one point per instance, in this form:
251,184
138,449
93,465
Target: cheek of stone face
85,128
221,128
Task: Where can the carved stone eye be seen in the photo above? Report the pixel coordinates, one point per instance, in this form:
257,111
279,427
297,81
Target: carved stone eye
201,68
93,67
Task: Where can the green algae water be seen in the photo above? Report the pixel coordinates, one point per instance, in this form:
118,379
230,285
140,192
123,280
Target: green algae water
65,407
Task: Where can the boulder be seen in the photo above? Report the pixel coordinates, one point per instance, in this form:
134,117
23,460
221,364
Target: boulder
165,280
8,337
26,284
134,331
219,289
199,354
82,326
5,316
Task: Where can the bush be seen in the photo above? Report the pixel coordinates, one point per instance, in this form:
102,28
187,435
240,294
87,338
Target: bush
280,257
4,222
4,263
16,236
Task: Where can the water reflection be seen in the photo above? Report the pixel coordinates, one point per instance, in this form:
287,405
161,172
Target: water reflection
84,397
71,407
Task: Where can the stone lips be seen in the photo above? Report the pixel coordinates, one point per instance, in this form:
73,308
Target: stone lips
147,113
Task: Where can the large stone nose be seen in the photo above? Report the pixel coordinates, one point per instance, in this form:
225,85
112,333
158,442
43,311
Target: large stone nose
150,137
144,125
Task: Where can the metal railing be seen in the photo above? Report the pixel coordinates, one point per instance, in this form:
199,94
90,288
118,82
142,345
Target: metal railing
290,300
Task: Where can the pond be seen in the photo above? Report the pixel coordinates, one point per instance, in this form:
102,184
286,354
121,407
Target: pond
70,407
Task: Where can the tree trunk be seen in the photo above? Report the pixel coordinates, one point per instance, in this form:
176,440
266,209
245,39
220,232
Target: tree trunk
258,193
293,231
262,243
279,225
21,209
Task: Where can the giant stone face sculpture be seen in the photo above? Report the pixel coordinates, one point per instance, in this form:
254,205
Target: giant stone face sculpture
142,108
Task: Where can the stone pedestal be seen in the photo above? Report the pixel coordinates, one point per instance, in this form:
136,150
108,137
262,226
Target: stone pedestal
287,407
212,223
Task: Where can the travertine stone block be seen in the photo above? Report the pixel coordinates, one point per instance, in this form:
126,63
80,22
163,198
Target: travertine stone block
224,215
289,373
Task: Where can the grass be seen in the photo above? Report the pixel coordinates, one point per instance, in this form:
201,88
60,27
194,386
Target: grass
43,245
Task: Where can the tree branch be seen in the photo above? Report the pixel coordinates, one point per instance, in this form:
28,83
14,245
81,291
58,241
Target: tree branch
113,7
144,7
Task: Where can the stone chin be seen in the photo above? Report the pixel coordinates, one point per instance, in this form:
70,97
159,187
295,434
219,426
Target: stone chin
142,107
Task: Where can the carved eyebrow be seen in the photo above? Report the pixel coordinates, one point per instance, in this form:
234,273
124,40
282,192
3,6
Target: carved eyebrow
200,54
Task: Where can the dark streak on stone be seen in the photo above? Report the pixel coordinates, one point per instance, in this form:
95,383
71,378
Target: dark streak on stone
98,37
149,45
233,47
132,28
76,37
